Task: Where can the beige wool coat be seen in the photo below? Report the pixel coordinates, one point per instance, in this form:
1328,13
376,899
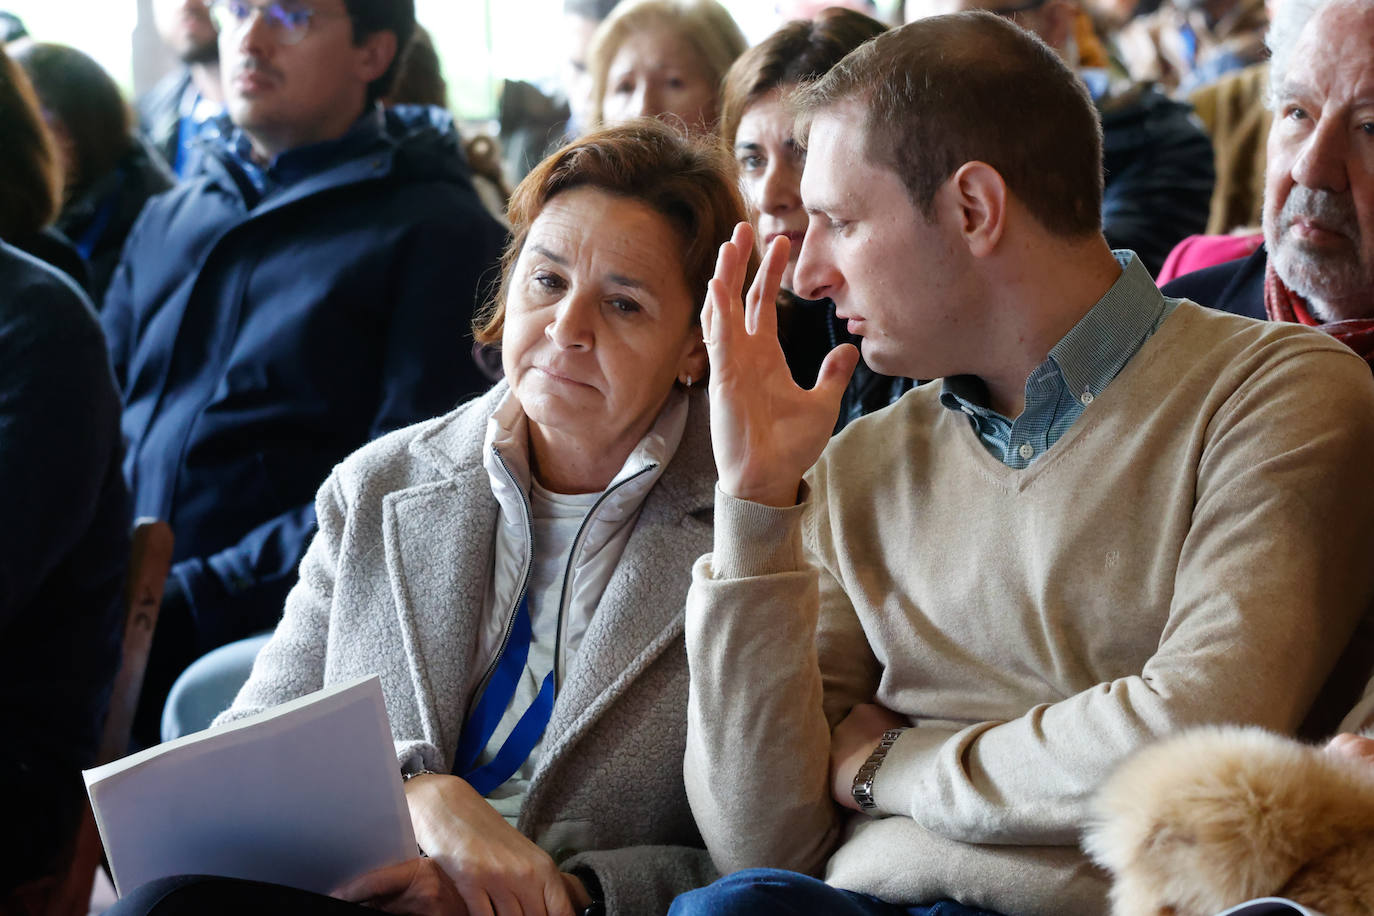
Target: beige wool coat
394,584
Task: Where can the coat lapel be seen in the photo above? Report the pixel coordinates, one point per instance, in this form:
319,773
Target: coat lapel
439,553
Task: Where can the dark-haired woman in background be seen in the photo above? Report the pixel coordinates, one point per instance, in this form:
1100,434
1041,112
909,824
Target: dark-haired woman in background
30,176
756,126
108,173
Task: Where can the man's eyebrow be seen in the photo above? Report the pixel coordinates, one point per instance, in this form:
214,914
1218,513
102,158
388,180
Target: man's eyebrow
1291,89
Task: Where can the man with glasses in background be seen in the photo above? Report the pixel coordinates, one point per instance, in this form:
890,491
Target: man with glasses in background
310,290
188,100
1157,161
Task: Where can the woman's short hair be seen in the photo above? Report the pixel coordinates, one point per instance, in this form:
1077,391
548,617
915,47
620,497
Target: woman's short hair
947,90
704,24
798,52
86,101
30,173
689,181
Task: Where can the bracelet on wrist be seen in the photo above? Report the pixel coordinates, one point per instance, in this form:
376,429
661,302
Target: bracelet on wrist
862,789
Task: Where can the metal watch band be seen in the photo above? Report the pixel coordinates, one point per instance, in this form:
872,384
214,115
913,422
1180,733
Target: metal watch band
862,790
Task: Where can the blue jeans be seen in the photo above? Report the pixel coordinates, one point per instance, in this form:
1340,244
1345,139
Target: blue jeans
774,892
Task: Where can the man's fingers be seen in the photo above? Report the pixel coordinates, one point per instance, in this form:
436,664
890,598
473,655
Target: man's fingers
718,333
835,371
763,296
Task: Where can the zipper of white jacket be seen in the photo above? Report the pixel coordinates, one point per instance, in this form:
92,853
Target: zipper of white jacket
567,571
524,582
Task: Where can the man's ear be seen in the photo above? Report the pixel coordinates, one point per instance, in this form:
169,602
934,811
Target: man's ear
375,54
981,196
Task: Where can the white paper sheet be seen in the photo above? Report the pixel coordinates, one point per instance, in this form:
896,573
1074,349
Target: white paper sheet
307,794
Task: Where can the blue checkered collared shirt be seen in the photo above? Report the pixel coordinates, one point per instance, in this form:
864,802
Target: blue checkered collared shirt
1078,369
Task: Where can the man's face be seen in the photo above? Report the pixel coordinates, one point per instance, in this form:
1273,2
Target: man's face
286,95
1319,184
893,276
185,27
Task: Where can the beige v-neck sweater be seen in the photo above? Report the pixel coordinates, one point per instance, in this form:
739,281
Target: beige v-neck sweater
1198,547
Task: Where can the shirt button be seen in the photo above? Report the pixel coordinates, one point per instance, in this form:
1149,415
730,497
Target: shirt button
1026,450
1085,398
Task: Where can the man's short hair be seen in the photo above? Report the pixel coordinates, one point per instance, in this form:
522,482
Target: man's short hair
371,16
967,87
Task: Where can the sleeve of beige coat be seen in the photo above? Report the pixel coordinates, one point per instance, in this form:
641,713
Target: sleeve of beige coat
757,765
1274,576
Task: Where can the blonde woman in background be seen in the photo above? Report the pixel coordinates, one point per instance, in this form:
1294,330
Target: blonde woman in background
663,59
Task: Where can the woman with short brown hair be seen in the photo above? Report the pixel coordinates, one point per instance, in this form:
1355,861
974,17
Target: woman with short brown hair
526,558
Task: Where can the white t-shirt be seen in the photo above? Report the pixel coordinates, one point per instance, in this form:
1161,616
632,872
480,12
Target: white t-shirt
555,519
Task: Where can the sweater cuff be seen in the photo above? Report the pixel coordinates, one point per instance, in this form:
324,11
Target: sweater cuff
909,765
752,539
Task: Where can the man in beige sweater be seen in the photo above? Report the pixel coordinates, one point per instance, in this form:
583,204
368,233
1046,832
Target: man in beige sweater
1118,515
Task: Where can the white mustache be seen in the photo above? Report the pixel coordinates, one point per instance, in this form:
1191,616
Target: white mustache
1329,209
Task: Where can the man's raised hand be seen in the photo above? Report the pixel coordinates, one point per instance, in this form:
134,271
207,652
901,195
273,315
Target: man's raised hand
765,430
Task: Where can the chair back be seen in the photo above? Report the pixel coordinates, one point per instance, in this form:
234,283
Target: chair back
68,892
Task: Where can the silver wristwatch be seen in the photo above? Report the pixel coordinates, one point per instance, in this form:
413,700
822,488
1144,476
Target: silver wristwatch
862,790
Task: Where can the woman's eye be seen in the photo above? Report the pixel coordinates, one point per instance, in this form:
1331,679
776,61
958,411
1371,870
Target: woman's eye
623,88
548,281
628,306
676,83
751,163
1295,113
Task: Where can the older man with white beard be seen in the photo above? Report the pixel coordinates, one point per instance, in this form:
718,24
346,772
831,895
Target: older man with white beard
1316,266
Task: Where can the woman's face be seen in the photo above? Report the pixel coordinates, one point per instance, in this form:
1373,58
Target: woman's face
770,170
599,320
656,73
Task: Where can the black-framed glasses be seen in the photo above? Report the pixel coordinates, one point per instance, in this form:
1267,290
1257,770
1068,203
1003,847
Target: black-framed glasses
289,20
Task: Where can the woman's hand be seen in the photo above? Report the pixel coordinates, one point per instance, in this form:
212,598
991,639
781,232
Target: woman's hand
418,887
853,742
766,432
495,869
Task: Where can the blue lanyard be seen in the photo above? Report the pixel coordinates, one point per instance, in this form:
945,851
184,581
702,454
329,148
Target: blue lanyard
99,223
491,707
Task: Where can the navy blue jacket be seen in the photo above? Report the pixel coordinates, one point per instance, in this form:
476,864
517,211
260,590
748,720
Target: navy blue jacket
258,342
1235,286
1158,174
64,548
